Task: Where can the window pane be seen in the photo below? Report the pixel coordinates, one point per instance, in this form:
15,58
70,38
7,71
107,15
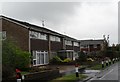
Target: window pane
76,44
38,35
4,35
67,42
42,58
34,54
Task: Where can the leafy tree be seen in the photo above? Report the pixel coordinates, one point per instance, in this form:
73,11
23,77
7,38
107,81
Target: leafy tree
12,57
82,56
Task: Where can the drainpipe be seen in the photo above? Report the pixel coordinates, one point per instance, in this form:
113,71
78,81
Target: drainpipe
73,50
29,45
49,47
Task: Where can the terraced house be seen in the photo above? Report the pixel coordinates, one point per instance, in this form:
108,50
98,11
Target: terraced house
41,42
88,46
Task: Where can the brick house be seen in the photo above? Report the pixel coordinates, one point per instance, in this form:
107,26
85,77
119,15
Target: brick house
88,46
41,42
71,48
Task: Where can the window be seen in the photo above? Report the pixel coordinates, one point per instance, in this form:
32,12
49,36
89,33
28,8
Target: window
95,46
3,35
67,42
54,38
76,44
37,35
42,36
34,58
84,46
34,34
57,39
40,58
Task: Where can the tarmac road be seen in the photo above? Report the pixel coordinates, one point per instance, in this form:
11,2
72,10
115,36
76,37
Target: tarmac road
111,74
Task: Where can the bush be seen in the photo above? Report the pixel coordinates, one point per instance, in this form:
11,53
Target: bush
82,57
13,57
56,60
67,60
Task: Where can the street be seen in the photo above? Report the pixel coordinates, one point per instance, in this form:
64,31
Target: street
110,74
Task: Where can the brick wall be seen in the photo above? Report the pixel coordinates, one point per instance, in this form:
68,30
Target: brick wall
16,33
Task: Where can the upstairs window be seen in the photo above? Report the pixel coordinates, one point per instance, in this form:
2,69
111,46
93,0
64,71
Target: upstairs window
95,46
34,34
42,36
57,39
67,42
3,35
54,38
76,44
84,46
37,35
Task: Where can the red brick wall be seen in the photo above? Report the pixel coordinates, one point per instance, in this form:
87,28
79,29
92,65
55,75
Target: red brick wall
56,46
38,44
69,47
16,33
76,48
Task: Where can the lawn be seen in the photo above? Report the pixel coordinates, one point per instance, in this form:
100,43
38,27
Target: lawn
24,73
99,67
96,67
69,78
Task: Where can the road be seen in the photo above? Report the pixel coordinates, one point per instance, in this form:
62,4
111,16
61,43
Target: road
111,74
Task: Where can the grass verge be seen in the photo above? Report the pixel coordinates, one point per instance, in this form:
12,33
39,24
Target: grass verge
96,67
69,78
24,72
99,67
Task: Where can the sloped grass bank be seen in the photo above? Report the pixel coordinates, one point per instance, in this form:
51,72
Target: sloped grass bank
69,78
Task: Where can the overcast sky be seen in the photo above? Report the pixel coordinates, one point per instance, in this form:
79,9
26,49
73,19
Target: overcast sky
80,20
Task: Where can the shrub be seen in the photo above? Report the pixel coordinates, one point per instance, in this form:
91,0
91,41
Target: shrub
55,60
13,57
67,60
82,57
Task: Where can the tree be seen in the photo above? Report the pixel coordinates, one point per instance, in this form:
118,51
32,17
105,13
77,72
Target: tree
12,57
82,56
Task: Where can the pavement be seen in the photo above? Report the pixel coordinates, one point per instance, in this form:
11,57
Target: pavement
110,74
64,69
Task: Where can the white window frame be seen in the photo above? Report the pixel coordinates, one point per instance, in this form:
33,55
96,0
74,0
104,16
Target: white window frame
54,38
68,42
95,46
3,35
76,44
42,36
39,56
37,35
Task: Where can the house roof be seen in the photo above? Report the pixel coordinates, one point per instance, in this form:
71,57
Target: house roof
34,27
38,28
46,30
88,42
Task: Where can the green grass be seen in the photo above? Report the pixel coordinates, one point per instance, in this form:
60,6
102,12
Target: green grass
69,78
24,72
99,67
96,67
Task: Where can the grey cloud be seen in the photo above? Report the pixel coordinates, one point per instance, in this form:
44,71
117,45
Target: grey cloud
79,20
52,12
